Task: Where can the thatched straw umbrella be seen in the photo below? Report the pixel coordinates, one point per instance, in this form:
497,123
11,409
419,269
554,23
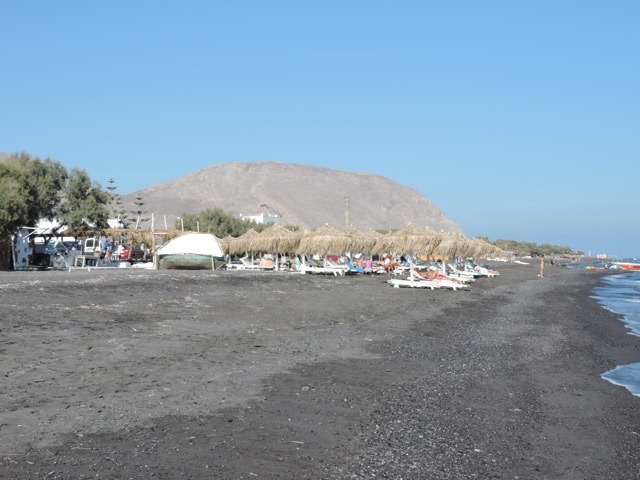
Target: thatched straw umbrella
226,242
410,240
322,241
360,241
453,244
481,248
140,236
492,250
472,248
275,239
242,244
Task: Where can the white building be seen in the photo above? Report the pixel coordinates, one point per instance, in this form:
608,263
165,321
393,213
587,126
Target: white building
115,223
261,217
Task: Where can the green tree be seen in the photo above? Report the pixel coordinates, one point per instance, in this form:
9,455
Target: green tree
140,213
115,204
14,208
219,223
85,205
30,190
525,248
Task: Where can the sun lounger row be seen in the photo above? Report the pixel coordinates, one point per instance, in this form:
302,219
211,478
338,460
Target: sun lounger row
430,284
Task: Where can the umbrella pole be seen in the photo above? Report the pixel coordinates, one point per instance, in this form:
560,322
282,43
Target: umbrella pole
411,268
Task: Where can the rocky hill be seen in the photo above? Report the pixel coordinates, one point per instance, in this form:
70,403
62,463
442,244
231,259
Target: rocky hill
302,195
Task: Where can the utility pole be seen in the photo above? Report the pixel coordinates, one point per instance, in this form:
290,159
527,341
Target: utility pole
347,220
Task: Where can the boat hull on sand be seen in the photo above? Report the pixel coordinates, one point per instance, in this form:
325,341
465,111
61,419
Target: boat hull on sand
190,262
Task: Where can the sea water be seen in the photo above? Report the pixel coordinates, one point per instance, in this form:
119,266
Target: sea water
621,294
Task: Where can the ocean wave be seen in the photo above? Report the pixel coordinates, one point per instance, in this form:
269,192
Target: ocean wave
621,295
627,376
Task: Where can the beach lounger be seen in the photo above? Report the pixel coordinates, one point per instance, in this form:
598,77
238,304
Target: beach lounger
484,272
323,270
400,282
246,264
401,270
418,281
431,284
461,274
353,268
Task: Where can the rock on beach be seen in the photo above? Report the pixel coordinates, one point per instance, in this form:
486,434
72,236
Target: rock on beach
129,373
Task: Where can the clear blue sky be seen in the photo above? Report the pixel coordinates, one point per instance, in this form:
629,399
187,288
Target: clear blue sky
520,120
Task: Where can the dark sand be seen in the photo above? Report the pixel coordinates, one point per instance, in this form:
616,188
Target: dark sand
141,374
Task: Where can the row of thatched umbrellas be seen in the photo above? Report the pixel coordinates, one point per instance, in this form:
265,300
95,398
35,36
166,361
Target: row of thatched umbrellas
327,240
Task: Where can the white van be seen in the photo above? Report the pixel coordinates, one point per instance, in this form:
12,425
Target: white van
93,246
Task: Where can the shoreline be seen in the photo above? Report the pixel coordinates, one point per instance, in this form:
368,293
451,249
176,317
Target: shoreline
235,375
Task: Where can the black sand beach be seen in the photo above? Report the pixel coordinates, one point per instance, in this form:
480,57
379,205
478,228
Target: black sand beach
130,373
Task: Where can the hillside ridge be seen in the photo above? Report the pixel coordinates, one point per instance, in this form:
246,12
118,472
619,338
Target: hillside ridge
307,196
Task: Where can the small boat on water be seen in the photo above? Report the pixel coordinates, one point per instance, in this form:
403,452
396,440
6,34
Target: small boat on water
631,266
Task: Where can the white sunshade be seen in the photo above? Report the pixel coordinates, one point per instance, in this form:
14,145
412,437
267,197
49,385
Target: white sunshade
192,244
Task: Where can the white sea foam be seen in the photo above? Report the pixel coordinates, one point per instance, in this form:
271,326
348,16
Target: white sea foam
626,376
621,295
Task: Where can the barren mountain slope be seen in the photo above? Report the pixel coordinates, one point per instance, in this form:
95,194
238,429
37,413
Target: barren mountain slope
303,195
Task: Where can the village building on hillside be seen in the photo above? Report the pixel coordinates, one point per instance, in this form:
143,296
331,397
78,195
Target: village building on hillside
264,215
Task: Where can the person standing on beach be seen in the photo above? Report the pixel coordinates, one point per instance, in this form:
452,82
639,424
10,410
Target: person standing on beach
541,265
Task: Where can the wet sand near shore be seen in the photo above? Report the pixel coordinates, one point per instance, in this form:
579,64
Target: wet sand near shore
130,373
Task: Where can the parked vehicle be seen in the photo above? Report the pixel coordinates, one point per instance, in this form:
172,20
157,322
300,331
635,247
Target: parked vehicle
42,254
92,246
64,247
135,255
